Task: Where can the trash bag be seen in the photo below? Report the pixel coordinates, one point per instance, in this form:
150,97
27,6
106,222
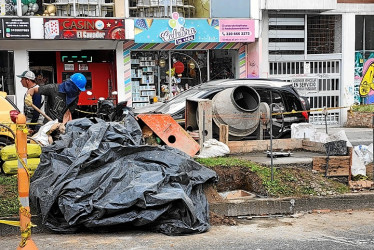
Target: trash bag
336,148
98,176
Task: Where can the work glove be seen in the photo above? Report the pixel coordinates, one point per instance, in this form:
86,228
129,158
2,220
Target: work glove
28,100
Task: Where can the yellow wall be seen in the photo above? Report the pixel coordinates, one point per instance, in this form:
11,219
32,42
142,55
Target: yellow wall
202,8
120,8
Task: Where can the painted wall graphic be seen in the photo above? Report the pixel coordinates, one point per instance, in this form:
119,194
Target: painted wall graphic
252,60
364,79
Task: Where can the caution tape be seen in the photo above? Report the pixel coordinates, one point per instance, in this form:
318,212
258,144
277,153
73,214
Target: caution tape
311,110
11,223
25,235
24,130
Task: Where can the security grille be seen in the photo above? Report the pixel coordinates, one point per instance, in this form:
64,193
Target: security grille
327,92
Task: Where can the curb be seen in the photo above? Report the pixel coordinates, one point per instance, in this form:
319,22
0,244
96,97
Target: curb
258,207
254,207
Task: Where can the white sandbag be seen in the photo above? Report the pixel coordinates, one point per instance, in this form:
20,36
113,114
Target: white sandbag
41,136
302,130
365,153
213,148
358,166
340,135
319,137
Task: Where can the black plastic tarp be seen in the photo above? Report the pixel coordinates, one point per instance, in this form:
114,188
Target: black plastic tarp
98,175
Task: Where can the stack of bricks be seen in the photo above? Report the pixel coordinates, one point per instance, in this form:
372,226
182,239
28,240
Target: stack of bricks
337,165
359,185
359,120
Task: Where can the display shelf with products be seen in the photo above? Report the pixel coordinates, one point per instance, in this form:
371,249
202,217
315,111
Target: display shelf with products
144,75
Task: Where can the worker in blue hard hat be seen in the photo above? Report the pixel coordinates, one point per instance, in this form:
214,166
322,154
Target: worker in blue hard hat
62,98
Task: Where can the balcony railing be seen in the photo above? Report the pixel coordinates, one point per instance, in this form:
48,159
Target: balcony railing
162,8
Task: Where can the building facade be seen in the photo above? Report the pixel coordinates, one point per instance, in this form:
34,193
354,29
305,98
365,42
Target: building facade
161,47
324,48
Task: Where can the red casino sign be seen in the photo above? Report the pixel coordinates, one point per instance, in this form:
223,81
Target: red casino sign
83,28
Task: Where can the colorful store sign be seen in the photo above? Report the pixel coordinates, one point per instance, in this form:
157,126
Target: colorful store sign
236,30
179,30
15,28
79,28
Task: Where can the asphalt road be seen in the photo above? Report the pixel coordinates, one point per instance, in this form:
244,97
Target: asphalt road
356,136
332,230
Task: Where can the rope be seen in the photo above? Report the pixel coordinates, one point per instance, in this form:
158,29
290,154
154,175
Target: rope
85,112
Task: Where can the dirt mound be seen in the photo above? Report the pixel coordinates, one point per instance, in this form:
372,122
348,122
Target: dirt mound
217,220
235,178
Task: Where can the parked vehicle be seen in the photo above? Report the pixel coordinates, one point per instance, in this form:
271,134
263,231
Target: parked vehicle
285,100
6,137
107,110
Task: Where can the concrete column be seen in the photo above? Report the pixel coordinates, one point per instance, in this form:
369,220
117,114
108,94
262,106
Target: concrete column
120,72
348,64
263,43
21,63
120,8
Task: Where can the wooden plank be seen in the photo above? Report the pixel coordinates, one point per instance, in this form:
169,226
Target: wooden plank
224,133
313,146
263,145
338,165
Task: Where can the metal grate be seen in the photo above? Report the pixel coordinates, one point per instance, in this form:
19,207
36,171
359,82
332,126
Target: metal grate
321,34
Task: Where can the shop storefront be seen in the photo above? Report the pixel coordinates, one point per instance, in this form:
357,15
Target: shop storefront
169,56
60,47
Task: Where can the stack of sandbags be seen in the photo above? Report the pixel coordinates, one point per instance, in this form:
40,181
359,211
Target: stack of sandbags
9,156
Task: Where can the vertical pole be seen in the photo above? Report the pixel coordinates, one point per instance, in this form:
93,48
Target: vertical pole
271,136
373,146
325,113
170,91
23,185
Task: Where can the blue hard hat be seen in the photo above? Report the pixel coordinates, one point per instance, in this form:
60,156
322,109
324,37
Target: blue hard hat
79,80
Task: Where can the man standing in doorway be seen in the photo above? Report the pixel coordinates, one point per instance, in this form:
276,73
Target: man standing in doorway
33,116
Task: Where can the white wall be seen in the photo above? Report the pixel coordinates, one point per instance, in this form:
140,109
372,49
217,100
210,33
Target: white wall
120,72
21,63
264,46
300,4
348,63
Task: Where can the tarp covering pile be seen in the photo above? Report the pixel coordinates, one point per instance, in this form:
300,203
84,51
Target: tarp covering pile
99,176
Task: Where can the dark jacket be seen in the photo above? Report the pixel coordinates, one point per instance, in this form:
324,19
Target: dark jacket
56,104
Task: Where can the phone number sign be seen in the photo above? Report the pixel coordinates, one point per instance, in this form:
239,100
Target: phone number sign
236,30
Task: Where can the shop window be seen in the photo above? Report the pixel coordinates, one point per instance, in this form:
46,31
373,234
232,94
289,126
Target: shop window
6,72
236,9
150,74
29,7
164,8
364,32
221,64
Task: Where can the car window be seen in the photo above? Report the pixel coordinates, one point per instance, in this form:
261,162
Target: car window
179,102
293,102
278,104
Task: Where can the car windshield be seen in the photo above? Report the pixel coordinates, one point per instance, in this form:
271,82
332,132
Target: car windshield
177,103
